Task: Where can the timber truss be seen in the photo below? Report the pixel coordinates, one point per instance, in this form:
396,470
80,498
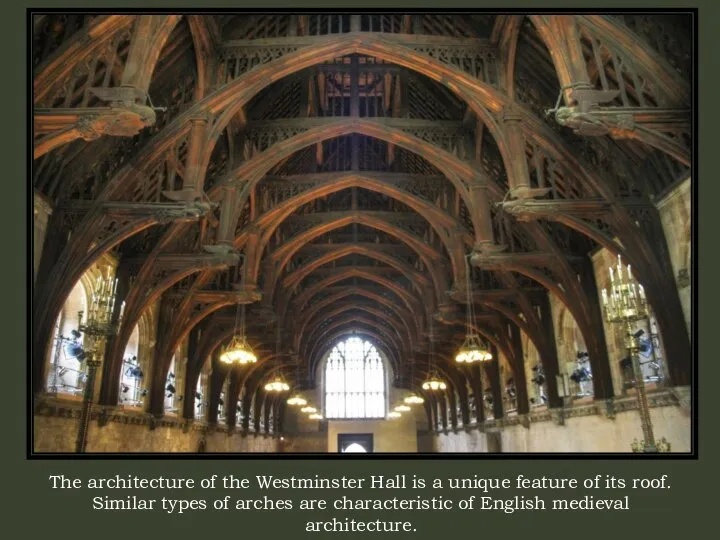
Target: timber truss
333,172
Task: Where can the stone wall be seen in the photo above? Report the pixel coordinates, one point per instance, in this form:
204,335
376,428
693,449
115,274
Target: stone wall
130,432
675,213
586,429
591,433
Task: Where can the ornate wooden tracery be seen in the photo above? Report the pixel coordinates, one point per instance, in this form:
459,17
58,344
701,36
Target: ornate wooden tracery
372,164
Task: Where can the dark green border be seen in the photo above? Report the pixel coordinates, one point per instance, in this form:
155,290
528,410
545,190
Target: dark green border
41,511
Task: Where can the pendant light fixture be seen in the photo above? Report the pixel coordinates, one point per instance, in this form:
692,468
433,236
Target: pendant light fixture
473,348
278,383
296,400
239,351
433,383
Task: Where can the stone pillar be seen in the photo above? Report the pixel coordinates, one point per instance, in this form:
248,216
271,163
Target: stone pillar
42,210
675,211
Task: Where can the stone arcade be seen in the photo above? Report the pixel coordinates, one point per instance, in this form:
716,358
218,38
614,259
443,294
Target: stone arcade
346,199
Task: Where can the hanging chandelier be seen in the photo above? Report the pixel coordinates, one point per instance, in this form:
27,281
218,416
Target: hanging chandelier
473,349
401,408
278,383
433,382
296,400
315,416
412,398
239,351
309,409
394,414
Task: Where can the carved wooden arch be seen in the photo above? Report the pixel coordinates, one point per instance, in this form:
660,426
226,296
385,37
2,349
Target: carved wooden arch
49,299
235,94
426,254
300,273
349,319
116,344
315,309
441,222
77,48
401,331
507,40
164,357
351,325
205,36
250,173
283,253
410,301
137,301
153,35
562,41
218,98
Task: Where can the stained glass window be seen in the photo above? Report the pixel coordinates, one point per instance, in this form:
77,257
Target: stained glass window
354,381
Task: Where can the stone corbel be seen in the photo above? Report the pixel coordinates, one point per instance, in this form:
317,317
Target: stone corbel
558,416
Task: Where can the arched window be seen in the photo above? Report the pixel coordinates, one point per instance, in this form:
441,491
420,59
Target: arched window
354,381
131,380
67,371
